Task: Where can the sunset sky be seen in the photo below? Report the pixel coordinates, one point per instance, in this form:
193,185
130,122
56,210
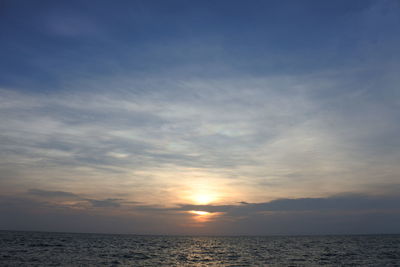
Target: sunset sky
200,117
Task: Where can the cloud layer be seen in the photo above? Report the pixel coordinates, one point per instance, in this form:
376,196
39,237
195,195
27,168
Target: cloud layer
334,215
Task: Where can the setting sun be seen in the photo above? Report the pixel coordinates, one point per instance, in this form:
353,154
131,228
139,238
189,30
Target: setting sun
203,199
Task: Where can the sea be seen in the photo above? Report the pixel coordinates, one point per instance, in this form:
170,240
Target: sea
68,249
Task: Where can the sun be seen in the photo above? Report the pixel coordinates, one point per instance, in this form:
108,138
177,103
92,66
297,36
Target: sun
199,191
203,198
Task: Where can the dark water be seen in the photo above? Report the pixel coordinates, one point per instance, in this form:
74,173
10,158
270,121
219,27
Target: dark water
54,249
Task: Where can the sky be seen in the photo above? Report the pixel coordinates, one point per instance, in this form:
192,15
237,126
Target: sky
200,117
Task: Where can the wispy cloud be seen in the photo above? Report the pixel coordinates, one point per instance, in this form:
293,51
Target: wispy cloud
278,132
110,202
51,194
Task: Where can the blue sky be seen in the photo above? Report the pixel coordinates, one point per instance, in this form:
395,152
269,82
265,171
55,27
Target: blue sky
136,112
50,44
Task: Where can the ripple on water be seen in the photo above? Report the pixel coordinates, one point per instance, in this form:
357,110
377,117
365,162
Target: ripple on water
55,249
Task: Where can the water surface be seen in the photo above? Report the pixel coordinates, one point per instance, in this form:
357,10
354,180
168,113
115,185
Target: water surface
55,249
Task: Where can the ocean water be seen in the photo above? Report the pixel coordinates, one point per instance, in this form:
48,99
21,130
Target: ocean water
65,249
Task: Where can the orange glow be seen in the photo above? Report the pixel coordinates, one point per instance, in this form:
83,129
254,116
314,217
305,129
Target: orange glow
201,216
199,212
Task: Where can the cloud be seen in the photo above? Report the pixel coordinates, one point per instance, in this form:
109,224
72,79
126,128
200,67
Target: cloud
51,194
73,25
110,202
342,202
280,132
339,203
97,203
351,213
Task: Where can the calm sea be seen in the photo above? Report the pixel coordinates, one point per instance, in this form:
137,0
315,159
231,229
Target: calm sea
55,249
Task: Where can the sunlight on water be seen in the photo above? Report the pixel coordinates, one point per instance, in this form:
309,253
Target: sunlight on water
54,249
